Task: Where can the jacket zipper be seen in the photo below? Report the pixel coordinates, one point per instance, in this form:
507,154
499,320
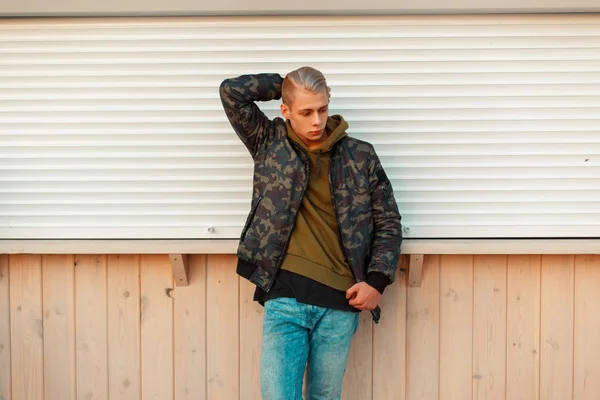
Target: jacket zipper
376,313
335,210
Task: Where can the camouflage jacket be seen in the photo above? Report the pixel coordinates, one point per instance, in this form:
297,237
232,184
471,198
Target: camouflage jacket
367,213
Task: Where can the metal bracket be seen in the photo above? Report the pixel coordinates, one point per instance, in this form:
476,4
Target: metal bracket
179,265
415,270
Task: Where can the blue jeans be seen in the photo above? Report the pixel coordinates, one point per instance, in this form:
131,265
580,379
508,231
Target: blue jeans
295,334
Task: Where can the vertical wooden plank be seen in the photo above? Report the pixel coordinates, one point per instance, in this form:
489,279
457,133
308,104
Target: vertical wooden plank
556,373
156,312
523,327
4,330
91,327
456,327
123,327
222,328
58,289
489,327
587,327
423,334
26,327
358,380
58,302
251,318
190,333
389,342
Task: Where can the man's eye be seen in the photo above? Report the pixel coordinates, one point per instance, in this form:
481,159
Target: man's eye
305,114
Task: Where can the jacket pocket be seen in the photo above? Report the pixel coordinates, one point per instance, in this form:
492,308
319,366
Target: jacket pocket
389,202
388,197
250,218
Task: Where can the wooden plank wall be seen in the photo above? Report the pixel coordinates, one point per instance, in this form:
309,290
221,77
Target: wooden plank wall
480,327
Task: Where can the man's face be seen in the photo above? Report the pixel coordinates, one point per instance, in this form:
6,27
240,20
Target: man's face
308,114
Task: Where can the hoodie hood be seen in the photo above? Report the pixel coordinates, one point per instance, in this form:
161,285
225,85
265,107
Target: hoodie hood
335,130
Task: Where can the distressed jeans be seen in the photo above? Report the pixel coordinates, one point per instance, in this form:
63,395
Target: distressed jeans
295,334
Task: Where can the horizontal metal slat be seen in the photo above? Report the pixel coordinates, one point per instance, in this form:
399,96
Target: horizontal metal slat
358,114
67,188
338,56
202,174
267,28
341,92
525,210
173,44
373,79
231,163
337,105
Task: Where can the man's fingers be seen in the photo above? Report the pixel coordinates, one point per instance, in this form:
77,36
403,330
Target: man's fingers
351,292
357,301
361,304
364,307
361,299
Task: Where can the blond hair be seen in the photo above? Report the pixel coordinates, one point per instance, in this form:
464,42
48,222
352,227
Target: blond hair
307,78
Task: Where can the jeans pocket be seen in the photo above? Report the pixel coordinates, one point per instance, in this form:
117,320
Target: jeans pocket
285,305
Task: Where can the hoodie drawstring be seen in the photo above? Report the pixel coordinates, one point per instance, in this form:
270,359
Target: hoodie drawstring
318,161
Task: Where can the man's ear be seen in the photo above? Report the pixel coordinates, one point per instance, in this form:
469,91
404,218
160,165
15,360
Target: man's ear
285,111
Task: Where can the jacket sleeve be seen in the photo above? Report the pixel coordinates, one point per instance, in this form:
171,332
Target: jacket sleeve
239,95
387,228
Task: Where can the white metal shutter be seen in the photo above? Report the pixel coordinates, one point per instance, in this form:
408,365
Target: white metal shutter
488,126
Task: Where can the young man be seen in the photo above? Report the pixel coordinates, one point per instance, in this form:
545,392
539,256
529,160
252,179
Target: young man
323,236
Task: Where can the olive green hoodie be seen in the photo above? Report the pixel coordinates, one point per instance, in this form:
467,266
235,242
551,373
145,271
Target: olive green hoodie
314,250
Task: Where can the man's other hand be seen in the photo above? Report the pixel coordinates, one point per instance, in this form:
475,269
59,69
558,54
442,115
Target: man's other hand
363,296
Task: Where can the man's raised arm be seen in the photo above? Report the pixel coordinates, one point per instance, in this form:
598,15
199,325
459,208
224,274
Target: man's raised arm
239,95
